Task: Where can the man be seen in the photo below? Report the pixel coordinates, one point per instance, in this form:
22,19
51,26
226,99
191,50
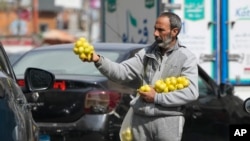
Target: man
157,116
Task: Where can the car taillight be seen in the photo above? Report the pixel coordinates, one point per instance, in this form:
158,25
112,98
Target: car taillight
21,82
59,85
97,102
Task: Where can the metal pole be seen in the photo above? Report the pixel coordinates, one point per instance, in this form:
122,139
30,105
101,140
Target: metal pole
35,16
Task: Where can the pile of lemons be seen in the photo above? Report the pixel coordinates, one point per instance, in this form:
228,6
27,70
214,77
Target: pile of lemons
168,84
83,48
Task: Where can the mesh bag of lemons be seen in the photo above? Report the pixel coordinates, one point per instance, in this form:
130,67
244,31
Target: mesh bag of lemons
168,84
83,49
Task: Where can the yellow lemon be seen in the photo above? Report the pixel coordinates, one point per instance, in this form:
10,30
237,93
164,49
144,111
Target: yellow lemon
76,50
185,83
82,39
180,79
91,47
82,56
167,81
158,83
128,138
78,43
162,86
179,86
171,88
165,90
85,44
147,88
173,80
127,134
89,56
87,50
144,88
81,49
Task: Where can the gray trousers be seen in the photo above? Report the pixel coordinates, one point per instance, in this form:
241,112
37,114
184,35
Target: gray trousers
168,128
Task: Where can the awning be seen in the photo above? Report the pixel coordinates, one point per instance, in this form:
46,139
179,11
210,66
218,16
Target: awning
57,36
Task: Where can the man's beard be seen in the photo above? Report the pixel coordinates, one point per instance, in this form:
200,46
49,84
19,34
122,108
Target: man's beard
165,44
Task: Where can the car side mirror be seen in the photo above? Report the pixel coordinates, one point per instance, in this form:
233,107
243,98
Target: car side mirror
38,79
247,105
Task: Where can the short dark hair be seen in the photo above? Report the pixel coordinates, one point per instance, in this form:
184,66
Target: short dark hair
174,19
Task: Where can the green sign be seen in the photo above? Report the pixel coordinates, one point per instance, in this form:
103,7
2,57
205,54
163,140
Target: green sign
194,9
132,20
149,3
111,5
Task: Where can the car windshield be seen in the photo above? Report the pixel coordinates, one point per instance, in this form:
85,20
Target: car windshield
60,62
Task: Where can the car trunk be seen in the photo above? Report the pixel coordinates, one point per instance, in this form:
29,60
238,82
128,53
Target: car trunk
59,106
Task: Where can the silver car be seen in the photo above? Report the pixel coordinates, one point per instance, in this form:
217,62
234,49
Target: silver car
16,121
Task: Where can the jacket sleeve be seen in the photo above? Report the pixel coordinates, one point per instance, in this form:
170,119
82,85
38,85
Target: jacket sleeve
125,72
188,94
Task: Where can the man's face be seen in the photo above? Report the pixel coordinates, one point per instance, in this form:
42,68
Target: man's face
163,34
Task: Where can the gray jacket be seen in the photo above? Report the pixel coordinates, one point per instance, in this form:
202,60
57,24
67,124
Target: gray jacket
148,66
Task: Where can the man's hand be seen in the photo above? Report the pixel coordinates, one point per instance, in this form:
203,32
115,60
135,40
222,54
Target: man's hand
148,96
94,58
